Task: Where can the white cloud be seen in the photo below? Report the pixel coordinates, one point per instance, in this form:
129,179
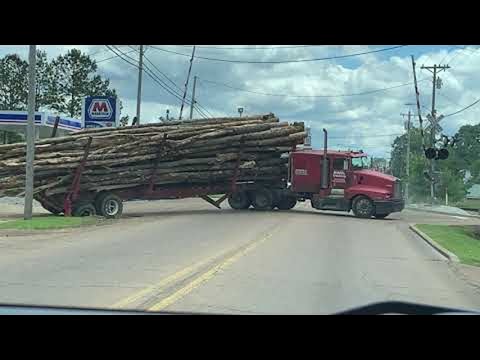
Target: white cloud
355,119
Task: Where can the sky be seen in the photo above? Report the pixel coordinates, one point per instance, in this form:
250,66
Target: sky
316,89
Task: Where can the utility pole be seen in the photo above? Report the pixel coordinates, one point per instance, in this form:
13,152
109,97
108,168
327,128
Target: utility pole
186,84
407,170
139,91
435,69
28,209
193,97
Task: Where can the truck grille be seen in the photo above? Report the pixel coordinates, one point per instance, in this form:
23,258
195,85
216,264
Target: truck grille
397,189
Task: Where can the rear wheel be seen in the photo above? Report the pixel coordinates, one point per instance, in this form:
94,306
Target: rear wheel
239,200
84,209
287,203
363,207
381,216
109,205
262,199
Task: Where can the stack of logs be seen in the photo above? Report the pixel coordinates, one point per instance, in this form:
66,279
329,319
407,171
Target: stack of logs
182,152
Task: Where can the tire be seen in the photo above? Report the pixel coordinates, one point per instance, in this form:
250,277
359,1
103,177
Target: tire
363,207
381,216
84,209
239,200
287,203
98,201
262,199
109,205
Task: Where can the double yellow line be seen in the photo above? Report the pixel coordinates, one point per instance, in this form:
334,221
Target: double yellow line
219,263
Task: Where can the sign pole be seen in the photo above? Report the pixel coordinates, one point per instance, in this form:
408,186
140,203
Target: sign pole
29,180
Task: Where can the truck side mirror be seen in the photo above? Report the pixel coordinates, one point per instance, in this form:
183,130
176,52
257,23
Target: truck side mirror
345,165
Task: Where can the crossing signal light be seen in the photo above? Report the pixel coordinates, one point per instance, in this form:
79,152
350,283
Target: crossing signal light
442,154
432,153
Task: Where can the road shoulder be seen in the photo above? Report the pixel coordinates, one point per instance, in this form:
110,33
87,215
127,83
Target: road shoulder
448,254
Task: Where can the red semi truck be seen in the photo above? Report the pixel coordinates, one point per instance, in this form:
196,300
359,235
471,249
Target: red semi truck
341,183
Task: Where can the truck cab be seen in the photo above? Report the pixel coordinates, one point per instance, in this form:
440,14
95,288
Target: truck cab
348,185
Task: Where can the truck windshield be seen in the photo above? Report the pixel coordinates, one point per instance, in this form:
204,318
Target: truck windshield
359,163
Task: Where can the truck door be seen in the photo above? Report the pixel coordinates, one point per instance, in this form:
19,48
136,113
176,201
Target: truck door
340,168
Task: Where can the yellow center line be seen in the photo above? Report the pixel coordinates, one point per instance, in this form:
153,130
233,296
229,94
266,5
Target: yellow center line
157,287
169,300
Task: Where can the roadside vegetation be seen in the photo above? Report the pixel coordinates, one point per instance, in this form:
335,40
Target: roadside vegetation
463,241
48,223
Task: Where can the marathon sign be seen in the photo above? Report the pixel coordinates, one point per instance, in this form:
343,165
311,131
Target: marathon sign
100,111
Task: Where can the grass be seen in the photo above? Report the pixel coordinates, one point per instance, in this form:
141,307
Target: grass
473,204
460,240
47,223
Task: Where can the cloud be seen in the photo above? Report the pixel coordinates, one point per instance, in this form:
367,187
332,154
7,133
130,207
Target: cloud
354,121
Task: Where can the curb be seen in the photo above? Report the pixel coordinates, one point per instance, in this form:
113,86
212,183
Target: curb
443,213
449,255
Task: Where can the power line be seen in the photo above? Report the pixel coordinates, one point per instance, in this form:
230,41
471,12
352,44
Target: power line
196,106
102,51
154,77
450,100
279,61
112,57
364,136
465,108
308,96
248,48
148,72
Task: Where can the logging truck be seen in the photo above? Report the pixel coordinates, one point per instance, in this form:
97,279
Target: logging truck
330,180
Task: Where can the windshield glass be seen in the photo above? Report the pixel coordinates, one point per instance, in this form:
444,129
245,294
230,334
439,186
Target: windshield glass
360,163
218,178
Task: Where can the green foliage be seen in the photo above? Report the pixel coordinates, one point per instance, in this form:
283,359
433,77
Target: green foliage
48,223
75,77
124,120
13,83
451,171
461,240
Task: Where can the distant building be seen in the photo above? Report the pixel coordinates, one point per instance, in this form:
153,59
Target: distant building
474,192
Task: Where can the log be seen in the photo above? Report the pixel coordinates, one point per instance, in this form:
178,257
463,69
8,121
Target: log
182,152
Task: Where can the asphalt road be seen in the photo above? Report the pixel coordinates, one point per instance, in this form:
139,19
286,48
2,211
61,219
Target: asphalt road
188,256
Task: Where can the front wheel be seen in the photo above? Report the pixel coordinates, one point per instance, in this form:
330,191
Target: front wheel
363,207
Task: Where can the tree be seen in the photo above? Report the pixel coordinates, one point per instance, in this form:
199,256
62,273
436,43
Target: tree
13,83
46,90
124,120
450,173
399,152
75,78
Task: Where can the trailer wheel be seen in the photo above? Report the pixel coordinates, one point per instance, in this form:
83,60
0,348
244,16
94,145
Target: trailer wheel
363,207
239,200
84,209
109,205
287,203
262,199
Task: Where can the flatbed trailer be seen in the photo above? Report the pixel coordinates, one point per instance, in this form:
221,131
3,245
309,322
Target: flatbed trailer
262,195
